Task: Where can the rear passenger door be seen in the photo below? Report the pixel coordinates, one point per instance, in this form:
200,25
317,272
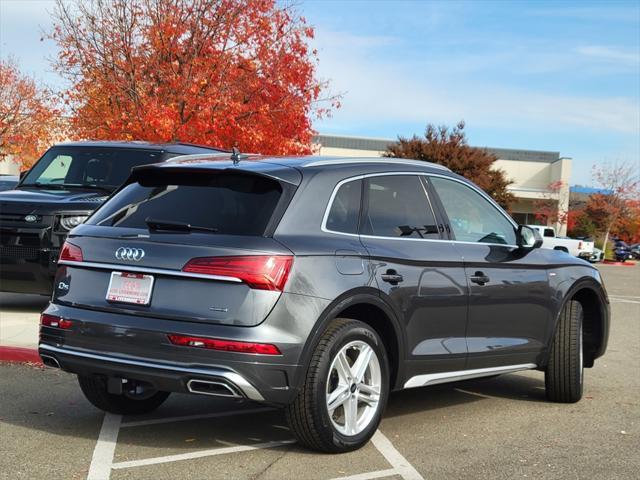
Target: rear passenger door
418,273
509,300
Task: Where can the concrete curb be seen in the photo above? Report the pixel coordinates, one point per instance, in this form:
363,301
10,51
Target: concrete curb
19,354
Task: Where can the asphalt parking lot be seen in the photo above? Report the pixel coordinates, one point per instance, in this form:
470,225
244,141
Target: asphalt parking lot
493,428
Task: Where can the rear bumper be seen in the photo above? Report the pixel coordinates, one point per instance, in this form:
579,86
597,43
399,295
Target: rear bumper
163,377
134,347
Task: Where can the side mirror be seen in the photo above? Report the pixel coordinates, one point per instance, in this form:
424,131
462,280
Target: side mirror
23,173
528,238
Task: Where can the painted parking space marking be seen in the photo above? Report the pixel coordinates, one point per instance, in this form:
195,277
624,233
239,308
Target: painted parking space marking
199,454
618,299
102,463
369,475
157,421
102,460
394,457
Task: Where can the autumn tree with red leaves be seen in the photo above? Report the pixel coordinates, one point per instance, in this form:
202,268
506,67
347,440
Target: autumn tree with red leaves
216,72
548,208
449,147
613,206
29,119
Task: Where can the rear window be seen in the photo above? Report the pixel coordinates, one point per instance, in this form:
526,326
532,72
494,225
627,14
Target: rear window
230,204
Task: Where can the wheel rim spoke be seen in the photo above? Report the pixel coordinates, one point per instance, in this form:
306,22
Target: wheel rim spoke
343,368
337,398
351,414
362,363
370,390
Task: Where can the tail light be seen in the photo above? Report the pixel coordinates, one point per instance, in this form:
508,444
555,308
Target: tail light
262,272
70,252
47,320
225,345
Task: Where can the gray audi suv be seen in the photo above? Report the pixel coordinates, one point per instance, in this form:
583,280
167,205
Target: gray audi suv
315,284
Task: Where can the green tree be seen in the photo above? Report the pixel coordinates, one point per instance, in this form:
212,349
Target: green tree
448,147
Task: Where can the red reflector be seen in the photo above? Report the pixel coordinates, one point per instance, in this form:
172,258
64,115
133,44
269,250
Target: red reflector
70,252
54,321
263,272
226,345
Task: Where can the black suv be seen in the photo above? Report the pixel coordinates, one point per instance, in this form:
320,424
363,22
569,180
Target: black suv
315,284
59,192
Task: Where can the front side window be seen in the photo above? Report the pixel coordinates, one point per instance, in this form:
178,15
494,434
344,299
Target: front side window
398,206
548,232
471,216
345,209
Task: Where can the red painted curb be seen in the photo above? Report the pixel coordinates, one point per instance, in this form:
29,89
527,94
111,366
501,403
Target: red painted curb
19,354
619,264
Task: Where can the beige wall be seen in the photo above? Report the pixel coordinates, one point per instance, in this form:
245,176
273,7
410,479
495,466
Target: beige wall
10,167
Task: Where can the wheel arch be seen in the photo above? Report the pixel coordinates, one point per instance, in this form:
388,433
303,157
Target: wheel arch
595,305
365,305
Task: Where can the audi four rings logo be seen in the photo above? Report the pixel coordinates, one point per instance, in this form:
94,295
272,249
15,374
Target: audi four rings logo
130,254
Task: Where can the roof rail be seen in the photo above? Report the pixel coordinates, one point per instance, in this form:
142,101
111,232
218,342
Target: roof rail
387,160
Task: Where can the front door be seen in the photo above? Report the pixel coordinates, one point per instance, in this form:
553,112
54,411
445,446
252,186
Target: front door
509,296
419,272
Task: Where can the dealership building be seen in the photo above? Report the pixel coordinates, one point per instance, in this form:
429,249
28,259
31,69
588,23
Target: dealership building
531,171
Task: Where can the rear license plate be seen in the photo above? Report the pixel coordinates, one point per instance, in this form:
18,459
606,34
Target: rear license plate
132,288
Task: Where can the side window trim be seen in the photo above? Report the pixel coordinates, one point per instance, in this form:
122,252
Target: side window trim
433,198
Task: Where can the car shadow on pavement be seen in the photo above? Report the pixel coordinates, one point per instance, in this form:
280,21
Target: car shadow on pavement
424,399
49,400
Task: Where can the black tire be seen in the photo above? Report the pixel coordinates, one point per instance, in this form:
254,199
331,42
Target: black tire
95,390
308,415
564,375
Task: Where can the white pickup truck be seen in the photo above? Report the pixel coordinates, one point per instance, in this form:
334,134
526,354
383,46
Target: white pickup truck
577,248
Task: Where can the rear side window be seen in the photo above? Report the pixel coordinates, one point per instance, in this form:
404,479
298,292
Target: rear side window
345,209
548,232
398,206
230,204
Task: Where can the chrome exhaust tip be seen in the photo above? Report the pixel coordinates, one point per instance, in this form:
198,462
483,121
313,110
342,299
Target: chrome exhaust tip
49,361
212,387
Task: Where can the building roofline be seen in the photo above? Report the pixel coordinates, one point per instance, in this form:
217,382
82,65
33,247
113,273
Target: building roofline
380,144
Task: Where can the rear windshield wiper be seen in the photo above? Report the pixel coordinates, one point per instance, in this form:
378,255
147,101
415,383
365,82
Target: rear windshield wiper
169,225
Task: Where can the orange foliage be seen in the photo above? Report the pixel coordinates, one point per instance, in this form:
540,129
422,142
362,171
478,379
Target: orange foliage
29,121
215,72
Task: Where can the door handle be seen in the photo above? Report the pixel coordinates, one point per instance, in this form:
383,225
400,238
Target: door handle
480,278
392,277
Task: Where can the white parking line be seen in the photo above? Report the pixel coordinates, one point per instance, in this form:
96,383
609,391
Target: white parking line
369,475
394,457
198,454
102,460
157,421
623,300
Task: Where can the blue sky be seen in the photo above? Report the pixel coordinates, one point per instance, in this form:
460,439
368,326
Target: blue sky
560,76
